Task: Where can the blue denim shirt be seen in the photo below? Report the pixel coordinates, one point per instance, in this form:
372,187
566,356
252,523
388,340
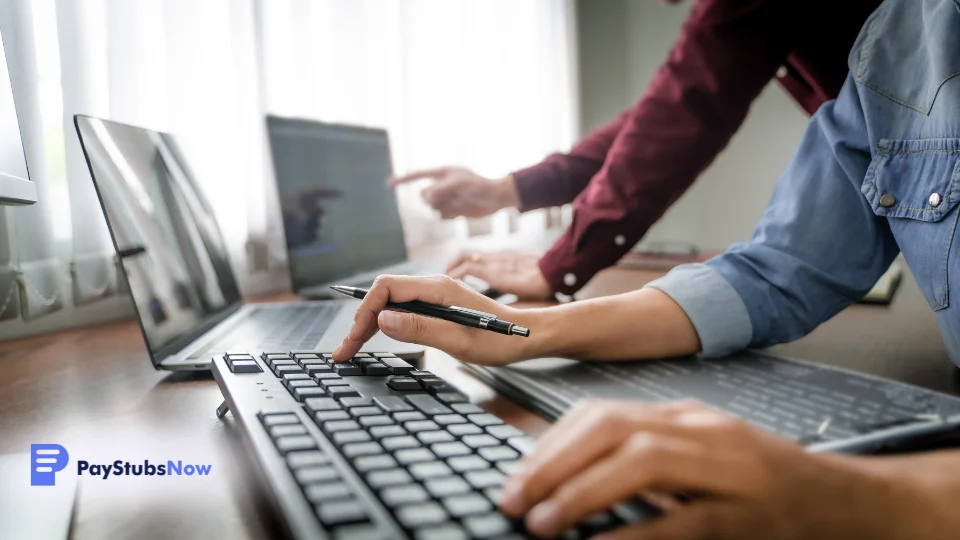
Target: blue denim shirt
876,173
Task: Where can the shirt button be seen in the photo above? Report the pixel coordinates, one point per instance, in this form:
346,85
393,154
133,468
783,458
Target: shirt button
935,200
569,280
619,240
782,72
887,200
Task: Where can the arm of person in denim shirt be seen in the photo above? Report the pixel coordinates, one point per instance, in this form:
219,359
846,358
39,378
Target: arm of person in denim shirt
818,248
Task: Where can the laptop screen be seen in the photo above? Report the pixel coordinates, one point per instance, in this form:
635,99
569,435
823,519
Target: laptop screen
339,216
173,253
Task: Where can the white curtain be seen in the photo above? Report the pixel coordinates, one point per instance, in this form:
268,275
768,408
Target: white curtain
484,83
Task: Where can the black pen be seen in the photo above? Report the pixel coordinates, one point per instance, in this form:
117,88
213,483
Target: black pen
459,315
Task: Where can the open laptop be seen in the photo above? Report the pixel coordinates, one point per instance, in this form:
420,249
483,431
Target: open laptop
332,182
176,264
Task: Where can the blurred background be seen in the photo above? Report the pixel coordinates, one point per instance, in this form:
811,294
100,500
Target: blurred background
494,85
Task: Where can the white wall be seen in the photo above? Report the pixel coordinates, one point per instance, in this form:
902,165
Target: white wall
621,45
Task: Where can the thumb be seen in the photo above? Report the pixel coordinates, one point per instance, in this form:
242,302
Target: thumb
449,337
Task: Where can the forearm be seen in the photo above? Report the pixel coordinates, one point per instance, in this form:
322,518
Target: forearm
640,324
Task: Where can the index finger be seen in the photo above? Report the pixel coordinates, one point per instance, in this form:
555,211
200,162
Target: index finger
418,175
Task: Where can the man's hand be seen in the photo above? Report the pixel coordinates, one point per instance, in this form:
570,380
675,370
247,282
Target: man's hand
738,481
461,192
461,342
509,272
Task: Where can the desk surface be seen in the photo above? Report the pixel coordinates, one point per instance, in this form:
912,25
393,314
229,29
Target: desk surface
93,391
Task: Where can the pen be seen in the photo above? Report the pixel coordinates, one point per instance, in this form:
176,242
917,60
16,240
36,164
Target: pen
459,315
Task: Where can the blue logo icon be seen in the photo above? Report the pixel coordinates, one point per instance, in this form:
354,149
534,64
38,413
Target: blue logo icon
45,461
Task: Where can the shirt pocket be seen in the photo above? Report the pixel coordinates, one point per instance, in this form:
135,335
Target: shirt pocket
913,183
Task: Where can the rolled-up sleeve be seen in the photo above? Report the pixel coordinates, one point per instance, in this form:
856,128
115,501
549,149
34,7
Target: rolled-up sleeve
818,248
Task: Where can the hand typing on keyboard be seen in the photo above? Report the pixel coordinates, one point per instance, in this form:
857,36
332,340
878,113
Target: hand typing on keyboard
463,343
746,480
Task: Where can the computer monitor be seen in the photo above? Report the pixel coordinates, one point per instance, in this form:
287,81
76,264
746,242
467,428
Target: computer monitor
15,185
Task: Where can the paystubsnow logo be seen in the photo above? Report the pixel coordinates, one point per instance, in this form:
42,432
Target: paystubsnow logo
48,459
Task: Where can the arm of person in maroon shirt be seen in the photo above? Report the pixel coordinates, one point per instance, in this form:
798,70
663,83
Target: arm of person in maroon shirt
726,54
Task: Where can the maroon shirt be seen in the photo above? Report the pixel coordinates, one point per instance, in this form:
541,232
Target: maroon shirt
623,176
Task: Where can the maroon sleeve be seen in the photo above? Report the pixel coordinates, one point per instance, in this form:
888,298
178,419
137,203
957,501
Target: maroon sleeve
558,179
727,52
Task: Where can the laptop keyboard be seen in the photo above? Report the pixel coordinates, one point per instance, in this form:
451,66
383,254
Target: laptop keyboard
433,461
289,328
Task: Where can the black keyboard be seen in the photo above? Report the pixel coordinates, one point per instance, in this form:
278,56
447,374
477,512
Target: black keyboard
373,448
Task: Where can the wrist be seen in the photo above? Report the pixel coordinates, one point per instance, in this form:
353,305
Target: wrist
505,193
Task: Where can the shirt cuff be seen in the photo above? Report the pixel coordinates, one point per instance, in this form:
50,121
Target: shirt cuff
713,306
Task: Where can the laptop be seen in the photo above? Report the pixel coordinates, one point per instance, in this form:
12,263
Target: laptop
332,183
175,261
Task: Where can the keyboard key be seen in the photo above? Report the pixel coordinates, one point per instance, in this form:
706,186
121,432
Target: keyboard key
297,376
337,392
287,429
290,384
362,531
388,477
430,437
328,416
316,474
356,402
487,526
400,495
322,376
484,419
347,437
419,515
485,478
285,362
301,394
413,455
451,397
305,356
396,365
361,449
504,431
480,441
313,369
330,383
450,449
321,404
335,513
466,408
297,460
364,360
450,531
370,421
229,357
444,487
293,443
422,425
494,494
464,429
245,366
427,382
340,425
498,453
460,506
275,356
347,368
420,374
369,463
392,404
524,445
366,411
424,471
402,383
507,467
399,443
440,389
463,464
277,419
280,371
447,419
387,431
375,370
408,416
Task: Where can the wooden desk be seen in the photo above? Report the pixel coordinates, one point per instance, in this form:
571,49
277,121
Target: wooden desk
94,391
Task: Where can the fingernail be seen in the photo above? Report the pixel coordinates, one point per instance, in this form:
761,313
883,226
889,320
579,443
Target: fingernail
544,519
511,498
390,321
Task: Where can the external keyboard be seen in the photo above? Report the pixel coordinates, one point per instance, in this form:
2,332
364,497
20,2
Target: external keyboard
373,448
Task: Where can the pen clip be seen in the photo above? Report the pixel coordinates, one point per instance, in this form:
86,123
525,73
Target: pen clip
473,312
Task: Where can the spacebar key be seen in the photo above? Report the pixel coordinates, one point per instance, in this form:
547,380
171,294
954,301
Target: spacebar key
427,404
